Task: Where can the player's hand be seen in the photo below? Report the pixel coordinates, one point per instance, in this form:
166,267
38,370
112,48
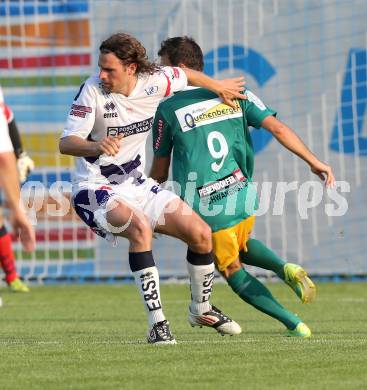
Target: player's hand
25,166
230,90
23,229
110,145
324,172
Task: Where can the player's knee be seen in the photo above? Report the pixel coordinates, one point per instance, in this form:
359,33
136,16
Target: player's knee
234,266
140,231
231,269
200,237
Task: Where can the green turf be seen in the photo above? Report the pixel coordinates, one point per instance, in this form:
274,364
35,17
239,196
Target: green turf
42,81
56,254
93,337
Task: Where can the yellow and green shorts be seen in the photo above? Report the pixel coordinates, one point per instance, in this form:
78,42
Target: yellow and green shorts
227,243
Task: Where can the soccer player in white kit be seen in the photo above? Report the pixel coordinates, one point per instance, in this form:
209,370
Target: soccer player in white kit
9,182
106,130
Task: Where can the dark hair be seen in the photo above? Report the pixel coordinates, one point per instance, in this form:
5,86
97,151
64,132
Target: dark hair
130,51
183,50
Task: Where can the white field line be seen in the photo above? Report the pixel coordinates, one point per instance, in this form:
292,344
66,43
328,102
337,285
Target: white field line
221,340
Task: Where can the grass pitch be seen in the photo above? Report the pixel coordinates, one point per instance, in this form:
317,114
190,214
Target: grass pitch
93,337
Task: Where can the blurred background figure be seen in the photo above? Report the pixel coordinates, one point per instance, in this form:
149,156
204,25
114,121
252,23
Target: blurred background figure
24,165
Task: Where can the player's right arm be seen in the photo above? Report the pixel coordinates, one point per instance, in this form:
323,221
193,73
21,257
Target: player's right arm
74,139
162,146
79,147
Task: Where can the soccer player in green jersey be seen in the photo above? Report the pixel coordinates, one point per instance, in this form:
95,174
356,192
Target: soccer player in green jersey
213,166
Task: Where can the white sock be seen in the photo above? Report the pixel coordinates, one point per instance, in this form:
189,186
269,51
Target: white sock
201,281
147,281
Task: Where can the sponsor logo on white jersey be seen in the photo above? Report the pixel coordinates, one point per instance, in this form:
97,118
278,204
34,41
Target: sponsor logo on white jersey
151,90
131,129
110,106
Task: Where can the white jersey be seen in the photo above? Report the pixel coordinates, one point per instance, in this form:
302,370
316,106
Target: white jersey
96,114
5,142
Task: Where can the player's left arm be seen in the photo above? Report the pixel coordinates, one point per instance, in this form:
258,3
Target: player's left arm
160,168
162,145
289,139
228,89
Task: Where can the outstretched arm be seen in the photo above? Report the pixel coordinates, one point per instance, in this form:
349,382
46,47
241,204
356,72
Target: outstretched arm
227,89
289,139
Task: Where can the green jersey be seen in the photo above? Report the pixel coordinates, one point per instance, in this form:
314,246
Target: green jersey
212,152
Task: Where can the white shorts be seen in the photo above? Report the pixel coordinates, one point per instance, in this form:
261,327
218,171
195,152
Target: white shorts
92,201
